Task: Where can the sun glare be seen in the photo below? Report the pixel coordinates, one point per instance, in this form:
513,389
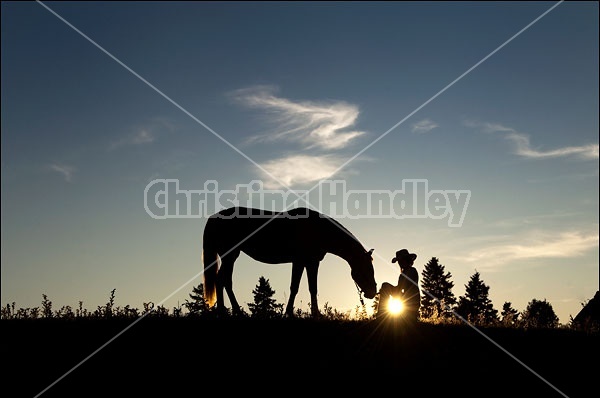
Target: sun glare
395,305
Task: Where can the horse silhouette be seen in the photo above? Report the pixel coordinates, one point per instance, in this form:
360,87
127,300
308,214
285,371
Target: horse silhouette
299,236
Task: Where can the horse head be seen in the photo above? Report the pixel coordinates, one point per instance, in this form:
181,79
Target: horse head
363,273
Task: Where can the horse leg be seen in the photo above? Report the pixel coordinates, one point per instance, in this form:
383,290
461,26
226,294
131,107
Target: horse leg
225,281
312,270
297,270
220,301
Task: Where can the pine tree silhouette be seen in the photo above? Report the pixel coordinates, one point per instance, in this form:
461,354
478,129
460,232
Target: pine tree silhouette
198,305
436,282
264,306
510,316
476,306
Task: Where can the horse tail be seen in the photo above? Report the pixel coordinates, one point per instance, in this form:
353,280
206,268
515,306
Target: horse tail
210,259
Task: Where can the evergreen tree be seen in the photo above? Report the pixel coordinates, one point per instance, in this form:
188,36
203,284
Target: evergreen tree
436,282
264,306
539,314
510,316
198,305
476,306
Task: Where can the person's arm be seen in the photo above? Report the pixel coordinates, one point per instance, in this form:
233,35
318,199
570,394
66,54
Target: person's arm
400,282
413,290
414,276
409,280
403,283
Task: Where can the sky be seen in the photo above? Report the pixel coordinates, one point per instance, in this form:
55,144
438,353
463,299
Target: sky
491,106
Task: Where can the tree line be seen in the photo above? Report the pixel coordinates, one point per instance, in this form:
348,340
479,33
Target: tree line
439,305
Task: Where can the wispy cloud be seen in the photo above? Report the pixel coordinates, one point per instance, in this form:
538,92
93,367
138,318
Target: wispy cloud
522,145
65,170
138,138
424,126
300,169
558,217
143,137
145,134
322,125
524,149
536,245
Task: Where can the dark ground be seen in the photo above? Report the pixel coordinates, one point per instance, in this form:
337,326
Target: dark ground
194,357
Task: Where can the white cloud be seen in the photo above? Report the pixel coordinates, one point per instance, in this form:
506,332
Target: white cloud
138,138
322,125
535,246
145,134
65,170
492,127
522,145
299,169
424,126
143,137
523,148
534,219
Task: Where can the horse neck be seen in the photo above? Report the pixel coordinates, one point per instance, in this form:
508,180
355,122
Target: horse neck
344,245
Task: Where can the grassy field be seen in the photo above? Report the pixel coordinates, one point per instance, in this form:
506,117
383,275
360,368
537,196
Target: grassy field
190,357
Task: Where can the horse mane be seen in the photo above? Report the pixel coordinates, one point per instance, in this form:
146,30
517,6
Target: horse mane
339,225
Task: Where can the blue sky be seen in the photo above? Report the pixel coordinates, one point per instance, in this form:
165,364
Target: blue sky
296,90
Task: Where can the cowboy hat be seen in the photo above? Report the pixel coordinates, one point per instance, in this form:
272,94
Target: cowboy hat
405,255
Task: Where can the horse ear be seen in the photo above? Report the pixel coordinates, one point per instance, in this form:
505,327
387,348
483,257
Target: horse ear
371,251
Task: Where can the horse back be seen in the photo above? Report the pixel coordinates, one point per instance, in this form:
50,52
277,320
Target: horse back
266,236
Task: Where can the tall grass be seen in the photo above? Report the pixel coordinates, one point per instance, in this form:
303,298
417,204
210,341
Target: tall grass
110,310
